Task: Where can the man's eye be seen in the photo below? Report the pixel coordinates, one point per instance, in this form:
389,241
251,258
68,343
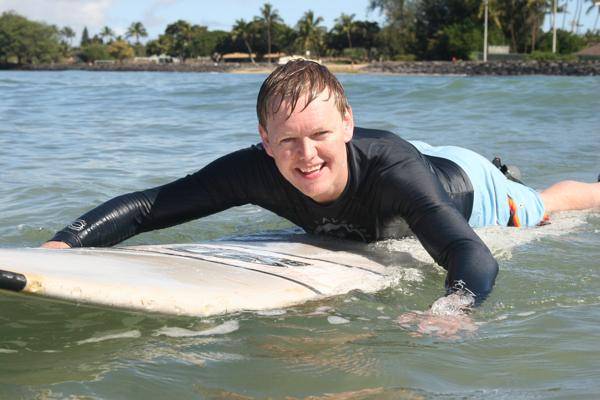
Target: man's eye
286,140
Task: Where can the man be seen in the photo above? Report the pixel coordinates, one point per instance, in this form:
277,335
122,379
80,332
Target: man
316,169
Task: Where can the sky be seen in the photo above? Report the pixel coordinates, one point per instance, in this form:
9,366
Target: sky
156,14
215,14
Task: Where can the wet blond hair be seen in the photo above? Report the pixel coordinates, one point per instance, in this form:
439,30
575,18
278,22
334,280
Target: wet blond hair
296,79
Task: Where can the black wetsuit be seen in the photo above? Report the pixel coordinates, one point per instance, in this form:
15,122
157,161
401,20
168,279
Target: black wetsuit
393,191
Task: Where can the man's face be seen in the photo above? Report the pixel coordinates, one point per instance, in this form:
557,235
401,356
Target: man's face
309,147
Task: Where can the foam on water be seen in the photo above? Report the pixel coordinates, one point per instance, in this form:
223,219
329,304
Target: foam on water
501,240
223,329
270,313
125,335
322,310
335,320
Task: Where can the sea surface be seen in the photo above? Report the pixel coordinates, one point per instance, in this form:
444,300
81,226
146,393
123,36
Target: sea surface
71,140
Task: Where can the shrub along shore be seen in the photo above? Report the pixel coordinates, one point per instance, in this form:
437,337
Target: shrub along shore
469,68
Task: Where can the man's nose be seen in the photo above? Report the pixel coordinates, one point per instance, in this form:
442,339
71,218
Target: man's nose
307,149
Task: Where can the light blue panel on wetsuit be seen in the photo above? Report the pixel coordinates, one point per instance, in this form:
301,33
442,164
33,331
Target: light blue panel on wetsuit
491,188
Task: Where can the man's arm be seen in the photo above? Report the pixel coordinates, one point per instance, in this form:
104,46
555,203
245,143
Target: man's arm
442,229
214,188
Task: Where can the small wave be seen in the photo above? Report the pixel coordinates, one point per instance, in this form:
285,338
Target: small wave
335,320
8,351
270,313
124,335
525,314
223,329
322,310
200,359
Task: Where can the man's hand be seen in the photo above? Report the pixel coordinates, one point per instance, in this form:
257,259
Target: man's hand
447,318
55,245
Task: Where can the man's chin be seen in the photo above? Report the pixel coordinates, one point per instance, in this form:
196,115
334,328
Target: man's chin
320,196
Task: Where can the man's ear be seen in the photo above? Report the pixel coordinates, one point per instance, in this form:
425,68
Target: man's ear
348,123
264,136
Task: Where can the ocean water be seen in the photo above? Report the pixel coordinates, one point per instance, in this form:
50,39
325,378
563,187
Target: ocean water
71,140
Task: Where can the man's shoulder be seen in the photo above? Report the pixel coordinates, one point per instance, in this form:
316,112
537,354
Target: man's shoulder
382,144
247,154
374,134
250,160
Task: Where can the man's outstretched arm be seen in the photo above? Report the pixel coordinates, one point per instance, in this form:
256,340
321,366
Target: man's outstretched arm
108,224
216,187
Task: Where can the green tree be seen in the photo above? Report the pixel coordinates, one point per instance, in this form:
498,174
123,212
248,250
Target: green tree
396,11
364,38
536,13
179,38
566,42
390,43
398,38
246,31
460,40
28,41
158,46
93,52
310,34
434,17
106,32
284,37
205,42
120,50
85,37
345,24
268,17
594,5
521,21
67,34
137,30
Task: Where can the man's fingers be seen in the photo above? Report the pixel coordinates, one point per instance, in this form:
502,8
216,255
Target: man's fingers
441,326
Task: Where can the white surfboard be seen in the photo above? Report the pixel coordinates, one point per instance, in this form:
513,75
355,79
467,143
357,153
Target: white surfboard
191,279
221,277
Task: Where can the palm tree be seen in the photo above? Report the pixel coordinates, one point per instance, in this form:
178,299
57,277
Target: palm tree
106,32
347,25
137,30
68,34
179,33
309,31
565,11
245,31
395,10
537,10
495,12
595,4
269,16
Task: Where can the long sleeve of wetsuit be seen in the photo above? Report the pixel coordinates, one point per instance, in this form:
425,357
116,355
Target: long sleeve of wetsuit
440,227
216,187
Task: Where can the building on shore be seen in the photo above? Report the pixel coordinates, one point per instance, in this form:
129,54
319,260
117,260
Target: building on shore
238,57
589,53
154,59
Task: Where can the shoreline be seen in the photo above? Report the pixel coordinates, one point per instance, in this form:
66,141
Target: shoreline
460,68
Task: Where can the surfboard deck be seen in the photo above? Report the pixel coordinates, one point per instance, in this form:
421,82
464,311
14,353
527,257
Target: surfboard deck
190,279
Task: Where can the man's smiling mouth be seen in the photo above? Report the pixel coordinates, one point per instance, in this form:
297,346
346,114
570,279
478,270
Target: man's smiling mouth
307,171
